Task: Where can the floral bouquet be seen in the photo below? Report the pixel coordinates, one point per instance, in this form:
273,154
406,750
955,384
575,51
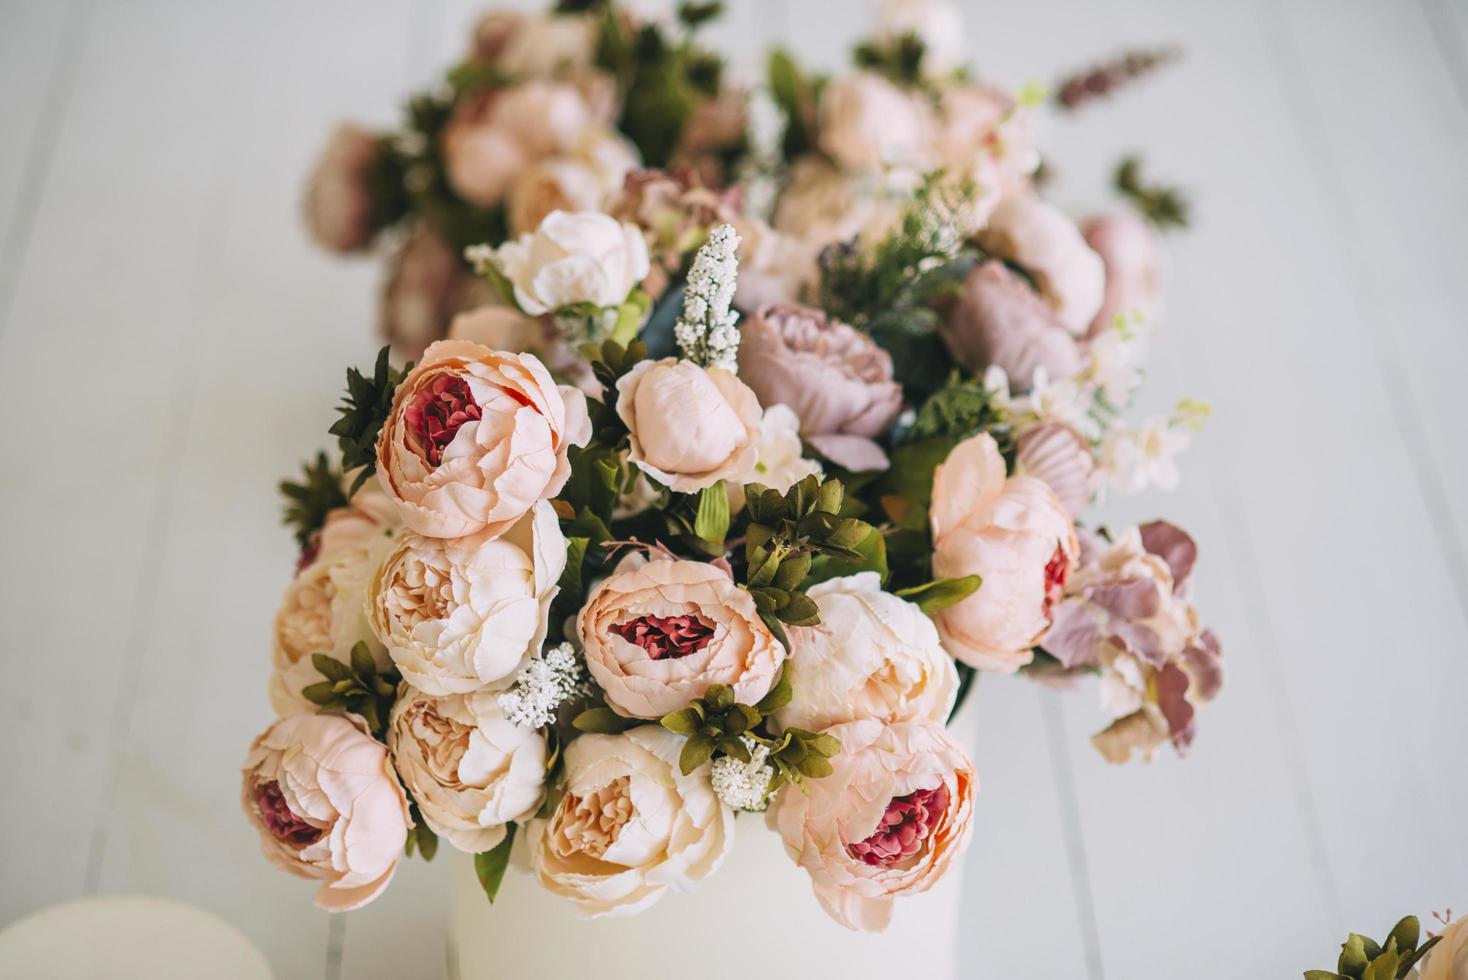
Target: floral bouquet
699,514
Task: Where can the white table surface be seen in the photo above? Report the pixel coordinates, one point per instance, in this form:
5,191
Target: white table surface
170,345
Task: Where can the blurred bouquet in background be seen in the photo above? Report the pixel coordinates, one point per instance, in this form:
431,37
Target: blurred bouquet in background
746,426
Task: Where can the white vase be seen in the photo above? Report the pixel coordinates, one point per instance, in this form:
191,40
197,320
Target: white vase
754,917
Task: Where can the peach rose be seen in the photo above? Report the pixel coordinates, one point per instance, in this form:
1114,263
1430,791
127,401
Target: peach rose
481,158
1041,239
630,826
340,213
656,634
469,769
544,117
690,426
1000,321
1448,960
475,438
888,822
324,609
580,181
460,614
574,258
835,378
1015,534
872,656
1128,249
322,795
867,123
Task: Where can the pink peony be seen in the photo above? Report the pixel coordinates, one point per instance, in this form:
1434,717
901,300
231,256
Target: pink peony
481,159
999,320
1059,456
888,822
1017,536
657,634
323,796
1128,249
690,426
339,210
867,123
835,378
1042,239
475,439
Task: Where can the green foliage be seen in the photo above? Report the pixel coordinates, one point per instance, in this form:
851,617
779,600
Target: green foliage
363,410
693,14
785,533
609,363
938,595
961,408
421,837
602,720
797,95
490,865
1362,958
356,687
900,60
873,558
307,503
1166,207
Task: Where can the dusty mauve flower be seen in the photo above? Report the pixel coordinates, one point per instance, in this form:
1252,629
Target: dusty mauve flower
835,378
656,634
574,257
1059,456
630,826
1017,536
873,655
322,795
427,284
475,438
1041,239
339,209
1128,249
460,614
888,822
999,320
467,767
324,609
690,426
867,123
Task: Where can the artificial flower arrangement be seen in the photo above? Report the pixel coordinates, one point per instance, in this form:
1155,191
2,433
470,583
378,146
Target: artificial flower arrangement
700,514
1404,955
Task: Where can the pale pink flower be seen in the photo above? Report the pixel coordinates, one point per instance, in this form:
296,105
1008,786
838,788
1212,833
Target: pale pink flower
835,378
690,426
1128,248
1060,457
1448,960
656,634
339,207
499,327
1046,243
481,159
1014,533
890,821
476,438
1000,321
574,258
322,795
867,123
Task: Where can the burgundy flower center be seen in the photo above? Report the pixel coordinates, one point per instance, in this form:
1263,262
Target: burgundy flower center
666,636
437,412
1056,572
905,827
280,821
310,551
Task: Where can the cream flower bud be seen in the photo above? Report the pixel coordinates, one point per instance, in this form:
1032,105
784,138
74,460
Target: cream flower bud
574,257
1046,243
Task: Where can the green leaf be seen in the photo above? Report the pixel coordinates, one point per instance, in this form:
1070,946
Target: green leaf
696,751
684,722
712,522
1354,956
320,694
363,410
307,503
331,668
872,557
792,572
720,696
490,865
601,721
801,610
1407,933
1323,975
826,745
939,594
362,663
1384,967
778,697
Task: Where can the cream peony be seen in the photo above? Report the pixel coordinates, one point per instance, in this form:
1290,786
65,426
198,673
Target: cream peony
867,123
835,378
468,768
574,258
340,213
1448,960
656,634
322,794
888,822
324,609
938,24
475,438
1017,536
630,826
580,181
460,614
1041,239
690,426
873,655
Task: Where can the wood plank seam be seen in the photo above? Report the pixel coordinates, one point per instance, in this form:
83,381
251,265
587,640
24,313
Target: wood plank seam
1058,744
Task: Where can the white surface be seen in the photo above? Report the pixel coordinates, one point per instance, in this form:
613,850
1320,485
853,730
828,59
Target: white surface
170,346
127,937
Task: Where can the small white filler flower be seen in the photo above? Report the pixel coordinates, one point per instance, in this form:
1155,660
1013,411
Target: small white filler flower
706,332
743,785
542,687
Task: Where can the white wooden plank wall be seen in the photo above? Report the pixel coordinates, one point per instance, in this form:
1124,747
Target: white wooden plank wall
170,345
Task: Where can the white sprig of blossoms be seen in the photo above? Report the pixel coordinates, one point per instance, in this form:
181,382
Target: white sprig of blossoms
542,687
743,785
706,332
